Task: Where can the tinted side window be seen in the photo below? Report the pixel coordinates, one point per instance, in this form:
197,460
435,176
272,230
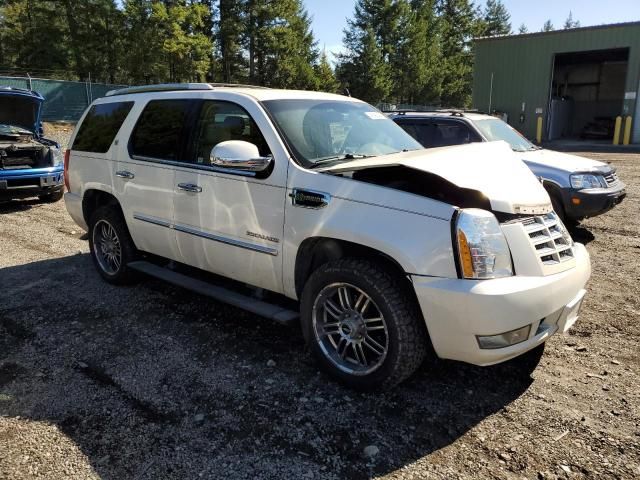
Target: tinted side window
158,133
452,133
100,127
422,132
221,121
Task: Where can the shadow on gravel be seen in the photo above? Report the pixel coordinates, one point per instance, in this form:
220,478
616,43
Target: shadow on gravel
13,206
150,381
581,234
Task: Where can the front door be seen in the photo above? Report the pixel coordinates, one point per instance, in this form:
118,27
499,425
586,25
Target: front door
145,174
230,222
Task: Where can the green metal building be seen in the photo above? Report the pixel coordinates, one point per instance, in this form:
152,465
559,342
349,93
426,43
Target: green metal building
577,80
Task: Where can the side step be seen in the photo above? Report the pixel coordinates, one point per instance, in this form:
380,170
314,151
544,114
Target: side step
264,309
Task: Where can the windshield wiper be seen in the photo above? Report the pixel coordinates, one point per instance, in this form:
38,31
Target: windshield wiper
337,158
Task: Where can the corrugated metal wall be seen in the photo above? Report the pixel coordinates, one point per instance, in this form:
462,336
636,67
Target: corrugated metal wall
522,68
63,100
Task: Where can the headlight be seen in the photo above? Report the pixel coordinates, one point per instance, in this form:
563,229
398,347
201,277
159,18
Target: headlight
588,181
482,249
58,158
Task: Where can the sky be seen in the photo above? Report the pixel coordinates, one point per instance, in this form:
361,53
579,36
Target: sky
329,16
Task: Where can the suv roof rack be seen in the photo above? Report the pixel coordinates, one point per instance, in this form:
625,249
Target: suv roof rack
174,87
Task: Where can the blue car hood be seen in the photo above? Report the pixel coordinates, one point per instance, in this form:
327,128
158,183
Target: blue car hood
21,108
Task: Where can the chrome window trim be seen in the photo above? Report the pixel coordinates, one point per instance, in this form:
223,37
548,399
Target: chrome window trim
195,166
209,236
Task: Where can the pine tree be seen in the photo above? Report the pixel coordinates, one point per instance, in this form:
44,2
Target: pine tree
548,26
496,19
523,29
89,23
280,44
382,17
187,49
166,41
229,34
363,70
33,38
144,60
325,77
458,22
570,22
417,60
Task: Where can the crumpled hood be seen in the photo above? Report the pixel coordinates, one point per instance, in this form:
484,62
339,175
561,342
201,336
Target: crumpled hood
563,161
491,168
21,110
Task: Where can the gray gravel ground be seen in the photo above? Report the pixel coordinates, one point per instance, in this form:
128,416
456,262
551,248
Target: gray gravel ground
151,381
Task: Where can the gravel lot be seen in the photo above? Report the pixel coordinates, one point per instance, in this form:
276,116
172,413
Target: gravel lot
151,382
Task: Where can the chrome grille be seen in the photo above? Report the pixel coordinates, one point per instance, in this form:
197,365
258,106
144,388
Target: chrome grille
611,178
549,237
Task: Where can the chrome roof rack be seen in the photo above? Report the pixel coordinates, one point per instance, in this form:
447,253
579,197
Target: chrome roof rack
175,87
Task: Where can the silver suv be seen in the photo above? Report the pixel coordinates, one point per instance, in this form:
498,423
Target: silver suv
579,187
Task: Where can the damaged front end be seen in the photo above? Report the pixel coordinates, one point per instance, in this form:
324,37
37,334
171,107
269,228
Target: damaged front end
30,165
486,176
23,151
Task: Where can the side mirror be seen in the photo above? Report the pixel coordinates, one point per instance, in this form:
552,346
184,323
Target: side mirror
239,155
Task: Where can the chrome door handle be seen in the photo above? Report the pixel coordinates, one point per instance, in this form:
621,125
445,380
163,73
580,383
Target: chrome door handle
124,174
189,187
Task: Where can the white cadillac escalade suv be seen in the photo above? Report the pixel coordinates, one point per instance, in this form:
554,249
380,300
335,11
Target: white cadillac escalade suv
313,207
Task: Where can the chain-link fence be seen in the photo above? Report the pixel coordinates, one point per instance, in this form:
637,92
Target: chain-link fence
63,99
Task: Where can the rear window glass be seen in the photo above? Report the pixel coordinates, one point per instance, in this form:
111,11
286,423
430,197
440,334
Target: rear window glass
100,127
158,133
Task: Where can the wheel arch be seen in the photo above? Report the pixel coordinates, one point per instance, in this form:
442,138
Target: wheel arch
316,251
95,198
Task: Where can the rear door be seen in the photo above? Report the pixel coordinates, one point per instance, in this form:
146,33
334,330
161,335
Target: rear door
144,177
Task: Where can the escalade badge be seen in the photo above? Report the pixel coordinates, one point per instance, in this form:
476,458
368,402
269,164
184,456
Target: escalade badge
263,237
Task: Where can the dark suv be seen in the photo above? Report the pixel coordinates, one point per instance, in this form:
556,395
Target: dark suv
579,187
30,165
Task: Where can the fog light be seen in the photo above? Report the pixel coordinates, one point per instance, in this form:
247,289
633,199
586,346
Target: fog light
504,339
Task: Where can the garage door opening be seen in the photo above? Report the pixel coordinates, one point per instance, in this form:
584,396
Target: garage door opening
587,94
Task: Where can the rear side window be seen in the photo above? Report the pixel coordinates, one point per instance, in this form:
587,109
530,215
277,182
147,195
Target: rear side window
158,133
452,133
100,127
422,132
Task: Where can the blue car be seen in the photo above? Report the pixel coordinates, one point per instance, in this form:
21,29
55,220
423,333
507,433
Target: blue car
30,165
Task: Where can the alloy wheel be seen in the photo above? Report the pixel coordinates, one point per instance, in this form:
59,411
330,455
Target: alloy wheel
350,329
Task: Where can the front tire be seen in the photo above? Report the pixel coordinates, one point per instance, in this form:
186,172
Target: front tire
361,324
111,246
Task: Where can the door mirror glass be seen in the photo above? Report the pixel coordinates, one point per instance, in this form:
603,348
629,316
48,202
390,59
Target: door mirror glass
239,155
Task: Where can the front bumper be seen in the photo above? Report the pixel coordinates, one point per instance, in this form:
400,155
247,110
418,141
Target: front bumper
457,311
591,202
25,183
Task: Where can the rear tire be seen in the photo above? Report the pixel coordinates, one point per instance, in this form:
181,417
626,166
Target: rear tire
362,327
52,197
111,246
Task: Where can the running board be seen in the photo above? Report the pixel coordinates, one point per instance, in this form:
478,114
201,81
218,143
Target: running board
264,309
